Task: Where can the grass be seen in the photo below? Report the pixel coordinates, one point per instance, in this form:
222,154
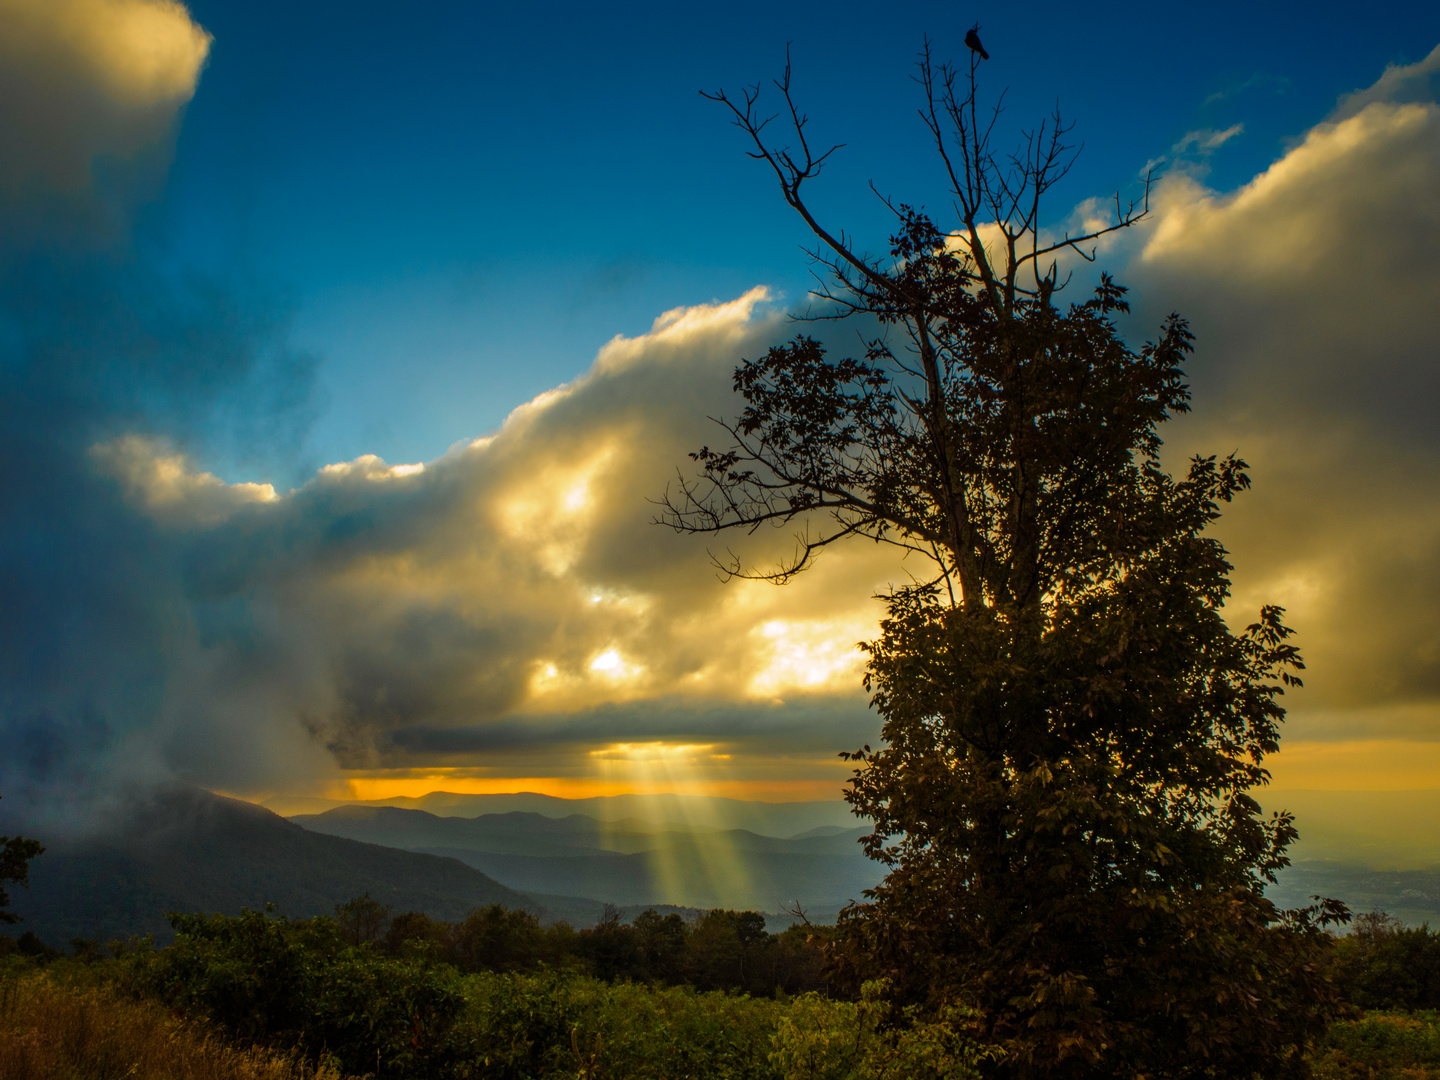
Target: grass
58,1030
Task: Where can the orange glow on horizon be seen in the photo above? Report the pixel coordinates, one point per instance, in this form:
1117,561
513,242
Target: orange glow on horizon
364,788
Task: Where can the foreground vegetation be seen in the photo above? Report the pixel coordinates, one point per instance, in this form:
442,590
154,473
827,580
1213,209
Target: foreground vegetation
54,1026
257,984
261,997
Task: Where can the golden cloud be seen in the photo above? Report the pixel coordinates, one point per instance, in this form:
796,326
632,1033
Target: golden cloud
161,479
80,79
513,599
1312,290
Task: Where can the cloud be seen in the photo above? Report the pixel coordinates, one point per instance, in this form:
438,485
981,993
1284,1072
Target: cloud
511,598
84,79
510,610
1312,290
156,476
100,338
1400,84
1205,140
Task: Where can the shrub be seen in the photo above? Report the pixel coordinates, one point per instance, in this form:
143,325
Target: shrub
1380,1047
267,979
819,1039
1381,964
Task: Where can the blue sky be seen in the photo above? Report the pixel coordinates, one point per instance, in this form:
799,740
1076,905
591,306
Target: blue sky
458,203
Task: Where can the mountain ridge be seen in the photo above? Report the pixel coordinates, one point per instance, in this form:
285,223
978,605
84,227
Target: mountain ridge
187,849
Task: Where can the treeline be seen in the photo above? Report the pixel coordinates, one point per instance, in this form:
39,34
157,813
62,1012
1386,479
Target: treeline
1379,964
719,950
496,995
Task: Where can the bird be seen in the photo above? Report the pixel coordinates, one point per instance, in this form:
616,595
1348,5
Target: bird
972,39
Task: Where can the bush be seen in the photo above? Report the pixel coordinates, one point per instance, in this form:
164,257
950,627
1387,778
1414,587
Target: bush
1381,1047
819,1039
654,1033
1381,964
267,979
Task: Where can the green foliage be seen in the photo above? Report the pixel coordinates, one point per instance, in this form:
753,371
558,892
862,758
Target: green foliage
655,1032
552,1024
1381,964
1381,1047
820,1039
271,980
393,1001
519,1027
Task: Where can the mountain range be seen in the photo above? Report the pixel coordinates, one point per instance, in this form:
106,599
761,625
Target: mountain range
185,849
683,812
627,861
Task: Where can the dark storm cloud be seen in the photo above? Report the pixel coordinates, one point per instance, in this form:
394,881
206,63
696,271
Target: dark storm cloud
94,341
814,726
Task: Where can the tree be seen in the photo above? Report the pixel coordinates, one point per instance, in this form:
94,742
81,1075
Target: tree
15,855
1382,964
362,920
1070,730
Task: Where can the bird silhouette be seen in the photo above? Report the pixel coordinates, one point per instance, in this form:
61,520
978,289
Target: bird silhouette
972,39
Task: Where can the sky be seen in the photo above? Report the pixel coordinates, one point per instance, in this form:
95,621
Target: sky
343,348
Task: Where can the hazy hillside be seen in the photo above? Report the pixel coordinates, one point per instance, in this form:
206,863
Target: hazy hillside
687,812
515,833
626,862
190,850
1413,896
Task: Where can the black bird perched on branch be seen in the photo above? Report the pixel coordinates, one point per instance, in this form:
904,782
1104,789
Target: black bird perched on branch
972,39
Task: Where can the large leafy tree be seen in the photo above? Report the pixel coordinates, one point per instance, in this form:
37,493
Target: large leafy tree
1071,728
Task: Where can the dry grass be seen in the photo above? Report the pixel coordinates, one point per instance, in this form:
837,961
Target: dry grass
53,1031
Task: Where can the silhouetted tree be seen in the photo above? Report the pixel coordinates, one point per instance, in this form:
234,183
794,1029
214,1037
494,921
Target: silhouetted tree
661,941
1071,731
611,947
16,852
414,927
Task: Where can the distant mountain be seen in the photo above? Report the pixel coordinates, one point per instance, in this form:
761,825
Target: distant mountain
685,812
515,833
614,862
825,830
185,849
